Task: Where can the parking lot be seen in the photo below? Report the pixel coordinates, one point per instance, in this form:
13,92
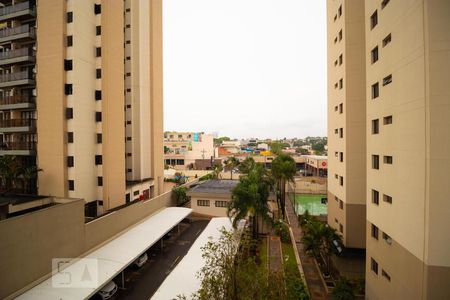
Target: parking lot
141,283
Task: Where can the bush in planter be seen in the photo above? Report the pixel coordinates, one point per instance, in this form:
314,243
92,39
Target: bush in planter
179,195
282,229
343,290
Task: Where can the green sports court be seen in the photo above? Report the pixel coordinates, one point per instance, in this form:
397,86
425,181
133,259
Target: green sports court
312,203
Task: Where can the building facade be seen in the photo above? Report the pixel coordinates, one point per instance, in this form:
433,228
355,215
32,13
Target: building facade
408,149
88,99
406,135
182,149
346,120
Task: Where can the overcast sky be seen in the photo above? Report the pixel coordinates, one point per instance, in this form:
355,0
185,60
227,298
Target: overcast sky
245,68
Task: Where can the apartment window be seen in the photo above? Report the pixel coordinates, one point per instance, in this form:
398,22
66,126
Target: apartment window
128,42
97,9
341,180
374,54
375,90
385,275
336,199
335,63
375,197
127,10
129,170
69,113
71,185
128,74
99,138
69,17
128,138
135,193
374,265
341,228
336,108
341,59
68,89
375,162
128,26
340,11
387,198
335,40
70,161
387,238
98,51
98,73
336,221
128,90
128,122
341,204
221,203
180,162
341,83
336,85
98,116
341,156
387,40
387,80
384,3
387,159
98,95
98,30
69,41
336,131
387,120
340,34
99,181
374,231
69,137
202,202
341,108
335,18
68,65
374,20
98,160
375,126
336,176
341,132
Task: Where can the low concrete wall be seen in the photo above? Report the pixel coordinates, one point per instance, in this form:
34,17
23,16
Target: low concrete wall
30,242
103,228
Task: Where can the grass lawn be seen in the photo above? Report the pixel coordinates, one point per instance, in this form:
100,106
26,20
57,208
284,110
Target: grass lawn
312,203
289,258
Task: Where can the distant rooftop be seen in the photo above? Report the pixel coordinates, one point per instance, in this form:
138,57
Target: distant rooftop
316,156
215,186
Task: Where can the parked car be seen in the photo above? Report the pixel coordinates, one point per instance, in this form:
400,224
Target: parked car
108,290
141,260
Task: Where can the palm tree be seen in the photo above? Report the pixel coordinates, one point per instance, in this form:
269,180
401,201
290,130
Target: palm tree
217,168
249,198
231,163
29,173
283,171
247,165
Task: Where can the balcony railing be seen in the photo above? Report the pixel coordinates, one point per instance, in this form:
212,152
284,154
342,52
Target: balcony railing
17,99
16,76
8,32
16,53
18,123
9,146
14,8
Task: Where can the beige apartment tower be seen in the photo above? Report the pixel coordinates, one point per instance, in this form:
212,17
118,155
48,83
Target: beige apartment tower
81,97
346,121
407,142
408,149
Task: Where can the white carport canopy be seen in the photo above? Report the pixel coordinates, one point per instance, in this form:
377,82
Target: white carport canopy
113,257
183,280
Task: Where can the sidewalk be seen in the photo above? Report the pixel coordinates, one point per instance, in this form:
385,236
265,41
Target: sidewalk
315,284
274,254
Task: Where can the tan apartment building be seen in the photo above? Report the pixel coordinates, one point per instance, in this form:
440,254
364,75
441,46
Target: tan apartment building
408,149
346,120
81,96
183,149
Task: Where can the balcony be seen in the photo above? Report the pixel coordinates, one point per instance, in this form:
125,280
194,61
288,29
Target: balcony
18,11
17,56
17,148
17,102
18,125
17,78
22,33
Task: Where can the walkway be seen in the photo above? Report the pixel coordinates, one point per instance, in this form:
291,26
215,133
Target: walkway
316,286
274,253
